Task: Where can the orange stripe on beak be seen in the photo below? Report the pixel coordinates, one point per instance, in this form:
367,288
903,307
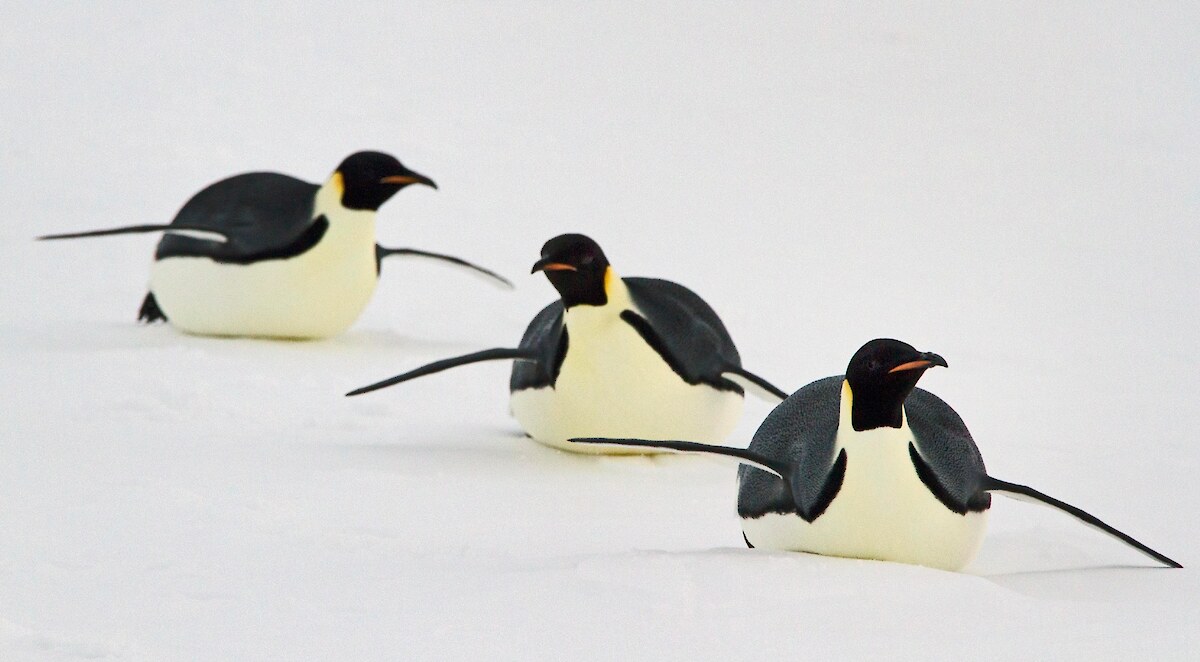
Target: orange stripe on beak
558,266
911,365
399,179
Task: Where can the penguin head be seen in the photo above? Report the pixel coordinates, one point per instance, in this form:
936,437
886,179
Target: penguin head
881,375
577,268
369,179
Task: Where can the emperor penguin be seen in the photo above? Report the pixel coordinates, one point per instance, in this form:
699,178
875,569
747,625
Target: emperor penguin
868,466
268,255
617,357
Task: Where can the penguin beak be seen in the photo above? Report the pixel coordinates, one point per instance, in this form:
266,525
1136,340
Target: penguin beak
410,178
927,360
548,264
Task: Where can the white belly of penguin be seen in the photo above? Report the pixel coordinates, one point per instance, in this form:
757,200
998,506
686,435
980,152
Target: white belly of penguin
612,384
316,294
883,511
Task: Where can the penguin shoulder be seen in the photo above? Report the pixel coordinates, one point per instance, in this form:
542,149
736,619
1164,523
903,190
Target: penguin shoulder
657,297
948,452
688,329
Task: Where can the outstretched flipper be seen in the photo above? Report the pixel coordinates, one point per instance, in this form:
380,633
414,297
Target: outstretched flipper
150,312
752,383
1023,493
781,469
809,497
382,252
496,354
201,232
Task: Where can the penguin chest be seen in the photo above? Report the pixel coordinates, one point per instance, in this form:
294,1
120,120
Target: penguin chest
612,384
882,511
316,294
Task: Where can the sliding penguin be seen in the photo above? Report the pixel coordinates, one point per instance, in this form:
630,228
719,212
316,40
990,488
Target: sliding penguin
618,357
265,254
868,466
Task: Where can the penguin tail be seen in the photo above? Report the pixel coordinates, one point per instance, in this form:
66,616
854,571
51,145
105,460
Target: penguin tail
174,228
150,313
1024,493
382,252
752,383
497,354
742,455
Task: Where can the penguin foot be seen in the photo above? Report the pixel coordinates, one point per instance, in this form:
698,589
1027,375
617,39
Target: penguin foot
150,312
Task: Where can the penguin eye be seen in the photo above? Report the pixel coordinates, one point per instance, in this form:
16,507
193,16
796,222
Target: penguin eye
873,366
588,258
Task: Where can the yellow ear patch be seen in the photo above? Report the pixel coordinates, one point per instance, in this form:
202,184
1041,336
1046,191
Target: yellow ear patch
338,182
608,276
847,393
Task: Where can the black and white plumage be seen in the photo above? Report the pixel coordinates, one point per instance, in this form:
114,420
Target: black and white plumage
868,466
266,254
617,354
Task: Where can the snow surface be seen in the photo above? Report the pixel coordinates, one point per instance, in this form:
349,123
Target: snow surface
1012,185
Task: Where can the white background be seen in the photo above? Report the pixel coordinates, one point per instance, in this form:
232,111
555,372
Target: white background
1015,187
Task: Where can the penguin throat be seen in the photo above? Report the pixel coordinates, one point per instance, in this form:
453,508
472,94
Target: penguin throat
878,405
367,199
328,202
582,288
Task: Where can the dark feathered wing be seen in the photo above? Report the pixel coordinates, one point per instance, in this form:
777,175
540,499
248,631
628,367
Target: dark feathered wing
949,463
1025,493
263,214
944,454
494,354
546,339
685,330
536,360
801,431
797,440
382,252
742,455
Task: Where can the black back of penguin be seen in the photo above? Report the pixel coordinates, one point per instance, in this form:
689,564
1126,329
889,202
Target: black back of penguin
259,212
689,328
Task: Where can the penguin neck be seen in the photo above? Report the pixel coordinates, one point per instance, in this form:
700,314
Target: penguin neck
356,225
328,203
872,410
582,316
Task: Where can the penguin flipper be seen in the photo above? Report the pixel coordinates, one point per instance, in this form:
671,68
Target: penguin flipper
1024,493
944,454
684,330
382,252
781,469
801,430
150,313
173,228
752,383
496,354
